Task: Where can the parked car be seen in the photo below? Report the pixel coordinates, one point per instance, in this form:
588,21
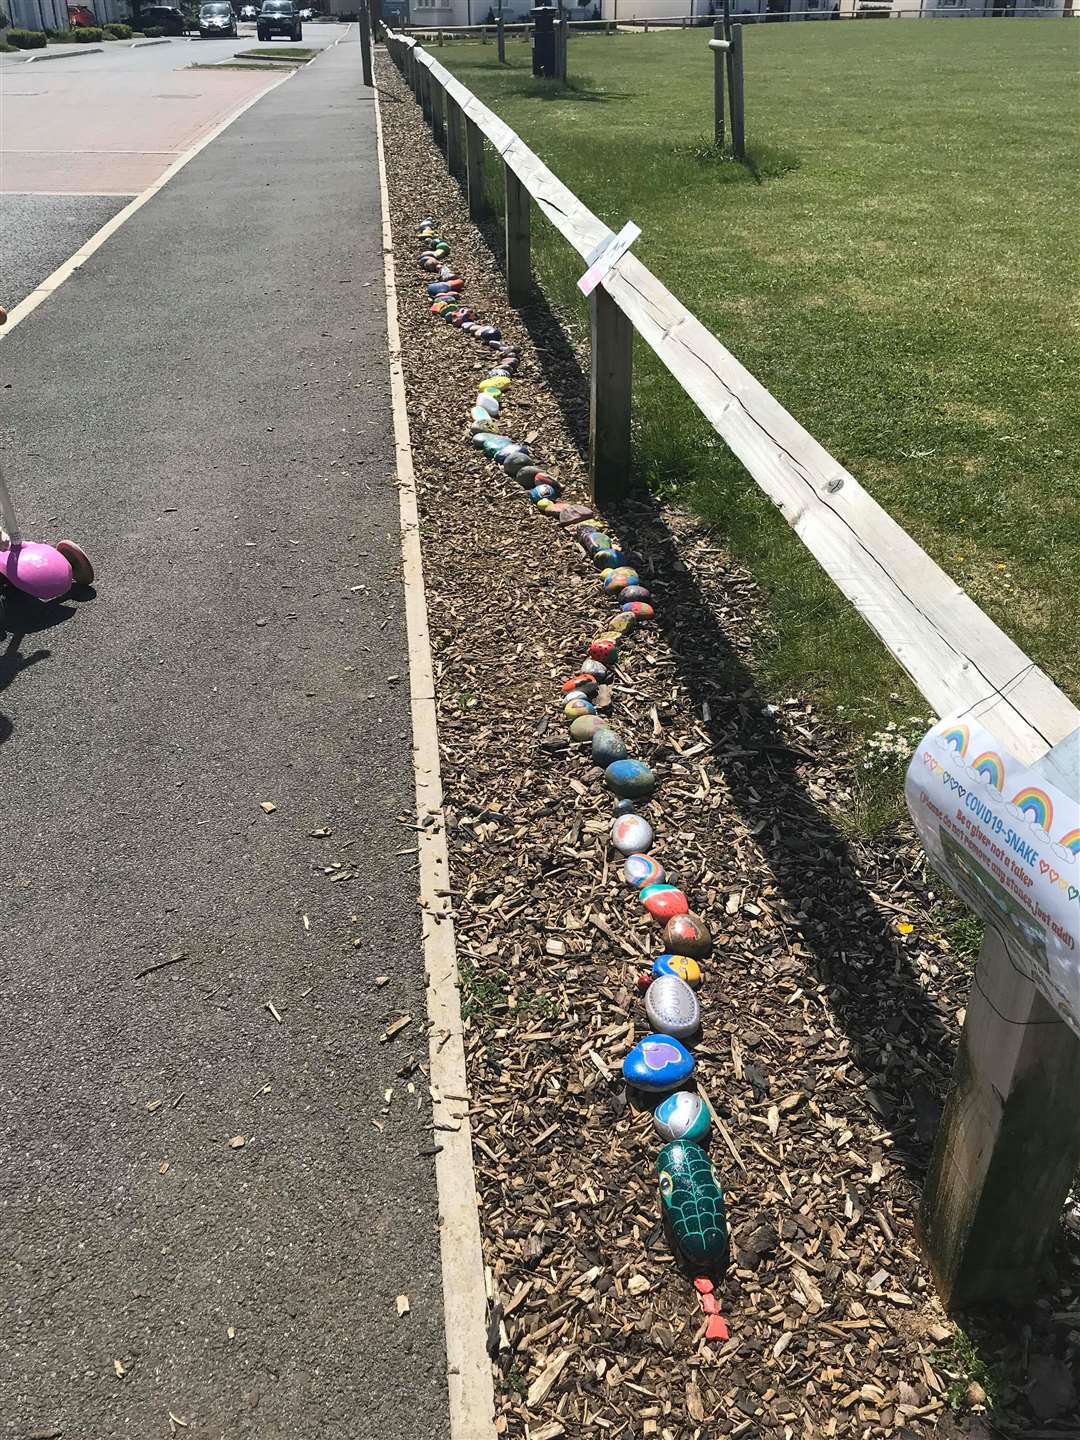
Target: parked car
279,17
217,18
80,16
171,18
248,12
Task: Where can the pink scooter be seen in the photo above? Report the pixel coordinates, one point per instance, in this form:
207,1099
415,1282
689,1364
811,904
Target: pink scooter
44,571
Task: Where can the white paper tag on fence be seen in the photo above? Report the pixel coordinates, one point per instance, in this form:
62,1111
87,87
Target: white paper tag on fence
608,253
1008,843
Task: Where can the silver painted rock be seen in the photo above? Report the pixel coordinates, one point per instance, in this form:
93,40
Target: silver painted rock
594,667
487,402
682,1116
631,834
672,1008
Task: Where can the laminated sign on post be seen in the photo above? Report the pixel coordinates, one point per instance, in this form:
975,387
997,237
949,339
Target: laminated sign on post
1007,840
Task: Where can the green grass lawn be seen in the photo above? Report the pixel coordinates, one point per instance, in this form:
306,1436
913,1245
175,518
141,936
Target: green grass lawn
901,274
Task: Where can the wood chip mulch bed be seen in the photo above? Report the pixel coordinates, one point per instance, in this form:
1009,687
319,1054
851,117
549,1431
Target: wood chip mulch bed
828,1032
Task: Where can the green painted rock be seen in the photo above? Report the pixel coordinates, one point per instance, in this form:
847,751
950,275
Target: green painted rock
693,1204
586,726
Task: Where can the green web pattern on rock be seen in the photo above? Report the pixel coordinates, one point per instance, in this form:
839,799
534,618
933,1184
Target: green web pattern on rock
694,1202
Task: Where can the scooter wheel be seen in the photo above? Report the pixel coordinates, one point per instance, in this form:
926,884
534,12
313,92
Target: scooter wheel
82,572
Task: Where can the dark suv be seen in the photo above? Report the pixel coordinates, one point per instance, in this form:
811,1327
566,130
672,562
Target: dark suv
170,18
279,17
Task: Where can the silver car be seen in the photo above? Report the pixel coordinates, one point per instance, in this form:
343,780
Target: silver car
216,18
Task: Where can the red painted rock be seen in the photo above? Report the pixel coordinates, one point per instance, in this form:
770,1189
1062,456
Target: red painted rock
688,935
605,649
665,905
584,682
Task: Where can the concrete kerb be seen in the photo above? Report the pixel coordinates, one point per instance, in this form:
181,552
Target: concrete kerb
471,1391
69,52
161,40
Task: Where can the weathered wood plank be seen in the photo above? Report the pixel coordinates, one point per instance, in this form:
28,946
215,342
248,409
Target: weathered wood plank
474,167
518,208
610,388
1008,1146
455,137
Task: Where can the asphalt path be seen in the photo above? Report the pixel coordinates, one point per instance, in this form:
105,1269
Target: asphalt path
81,135
206,767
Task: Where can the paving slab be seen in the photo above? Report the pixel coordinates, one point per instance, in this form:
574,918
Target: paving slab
219,437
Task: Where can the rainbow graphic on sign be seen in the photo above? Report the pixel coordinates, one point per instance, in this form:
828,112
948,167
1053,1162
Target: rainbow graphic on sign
990,766
958,737
1071,841
1036,805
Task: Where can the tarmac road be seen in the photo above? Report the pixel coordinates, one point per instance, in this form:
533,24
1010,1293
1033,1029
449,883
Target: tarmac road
220,441
81,135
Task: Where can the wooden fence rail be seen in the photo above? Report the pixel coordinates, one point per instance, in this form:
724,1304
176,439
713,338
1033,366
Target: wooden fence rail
986,1226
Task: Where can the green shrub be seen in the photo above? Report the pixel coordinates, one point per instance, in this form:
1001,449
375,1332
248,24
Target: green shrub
88,35
6,49
153,32
27,39
118,31
63,37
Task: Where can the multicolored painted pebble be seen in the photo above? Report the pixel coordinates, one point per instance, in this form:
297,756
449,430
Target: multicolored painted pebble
607,747
606,651
664,905
679,965
639,608
620,577
543,492
693,1204
672,1008
573,709
586,726
641,870
658,1063
622,623
631,834
688,935
631,778
530,475
634,592
480,414
606,560
682,1116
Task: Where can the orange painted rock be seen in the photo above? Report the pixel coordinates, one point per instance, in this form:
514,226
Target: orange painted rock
688,935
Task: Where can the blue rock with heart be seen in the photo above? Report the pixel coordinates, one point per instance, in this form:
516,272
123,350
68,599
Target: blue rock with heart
658,1063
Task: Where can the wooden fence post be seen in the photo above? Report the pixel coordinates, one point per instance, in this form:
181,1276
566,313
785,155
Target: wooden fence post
425,94
438,111
738,134
454,137
474,167
1008,1145
609,398
501,38
518,215
365,46
718,85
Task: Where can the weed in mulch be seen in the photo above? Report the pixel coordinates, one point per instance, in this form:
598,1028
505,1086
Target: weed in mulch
831,1007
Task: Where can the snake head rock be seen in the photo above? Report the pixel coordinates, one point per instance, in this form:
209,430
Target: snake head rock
693,1204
